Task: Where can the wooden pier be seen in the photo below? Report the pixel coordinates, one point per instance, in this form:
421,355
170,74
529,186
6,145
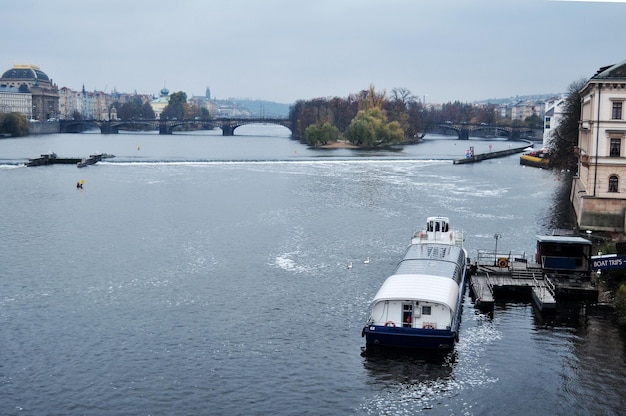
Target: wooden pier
520,279
515,279
562,272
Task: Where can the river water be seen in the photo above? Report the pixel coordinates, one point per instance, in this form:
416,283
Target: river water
201,274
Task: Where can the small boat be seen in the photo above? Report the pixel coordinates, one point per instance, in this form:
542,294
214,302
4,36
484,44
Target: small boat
538,159
419,306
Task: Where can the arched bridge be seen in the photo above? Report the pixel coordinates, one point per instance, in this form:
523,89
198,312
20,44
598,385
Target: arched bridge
228,125
465,130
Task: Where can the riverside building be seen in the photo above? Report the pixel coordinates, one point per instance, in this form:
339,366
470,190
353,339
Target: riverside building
599,187
44,93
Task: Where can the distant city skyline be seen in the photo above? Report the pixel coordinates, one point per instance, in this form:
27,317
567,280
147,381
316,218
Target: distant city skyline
283,51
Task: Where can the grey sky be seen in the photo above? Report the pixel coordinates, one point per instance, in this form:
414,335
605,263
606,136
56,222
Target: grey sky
285,50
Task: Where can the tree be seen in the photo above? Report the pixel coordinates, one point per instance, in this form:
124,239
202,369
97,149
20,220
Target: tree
371,99
176,107
134,109
370,129
146,111
533,120
14,124
321,134
565,136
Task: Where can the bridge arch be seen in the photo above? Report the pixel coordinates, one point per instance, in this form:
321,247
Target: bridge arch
228,125
465,130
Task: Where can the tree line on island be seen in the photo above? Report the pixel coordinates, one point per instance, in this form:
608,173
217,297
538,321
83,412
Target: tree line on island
373,118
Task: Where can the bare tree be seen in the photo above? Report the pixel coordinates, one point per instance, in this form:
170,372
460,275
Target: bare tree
565,136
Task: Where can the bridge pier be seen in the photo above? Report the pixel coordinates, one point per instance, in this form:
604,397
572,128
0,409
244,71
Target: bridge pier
228,130
464,134
164,128
107,128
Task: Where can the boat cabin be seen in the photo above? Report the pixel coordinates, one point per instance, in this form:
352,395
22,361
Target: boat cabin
564,254
434,224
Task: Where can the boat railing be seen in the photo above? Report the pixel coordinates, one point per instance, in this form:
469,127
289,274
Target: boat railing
452,236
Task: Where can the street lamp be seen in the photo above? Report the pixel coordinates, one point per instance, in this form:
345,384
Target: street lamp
495,253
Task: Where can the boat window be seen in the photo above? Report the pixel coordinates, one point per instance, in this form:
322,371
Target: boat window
425,310
437,226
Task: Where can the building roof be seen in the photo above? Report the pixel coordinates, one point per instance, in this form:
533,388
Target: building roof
617,71
562,239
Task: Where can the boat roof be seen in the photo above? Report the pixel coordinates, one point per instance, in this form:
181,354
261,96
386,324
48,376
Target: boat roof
429,288
432,259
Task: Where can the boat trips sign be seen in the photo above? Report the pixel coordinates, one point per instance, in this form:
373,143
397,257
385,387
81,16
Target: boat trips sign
608,262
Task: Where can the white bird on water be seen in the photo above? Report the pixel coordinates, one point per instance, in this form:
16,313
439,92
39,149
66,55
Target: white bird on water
350,265
367,261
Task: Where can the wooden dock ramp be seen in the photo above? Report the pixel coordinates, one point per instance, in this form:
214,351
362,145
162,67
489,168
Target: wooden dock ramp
489,281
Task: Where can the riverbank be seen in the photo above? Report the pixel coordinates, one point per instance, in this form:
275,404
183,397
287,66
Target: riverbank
340,144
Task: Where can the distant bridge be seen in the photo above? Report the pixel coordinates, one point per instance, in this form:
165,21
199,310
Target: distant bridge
465,130
228,125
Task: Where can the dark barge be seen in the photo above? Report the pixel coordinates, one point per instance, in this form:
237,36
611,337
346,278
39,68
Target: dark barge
51,159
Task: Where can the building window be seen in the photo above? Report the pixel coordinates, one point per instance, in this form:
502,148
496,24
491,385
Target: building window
613,183
616,148
617,111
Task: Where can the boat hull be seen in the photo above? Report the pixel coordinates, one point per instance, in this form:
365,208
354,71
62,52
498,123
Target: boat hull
409,338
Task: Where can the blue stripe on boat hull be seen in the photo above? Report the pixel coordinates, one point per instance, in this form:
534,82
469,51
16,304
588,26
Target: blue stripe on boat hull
409,338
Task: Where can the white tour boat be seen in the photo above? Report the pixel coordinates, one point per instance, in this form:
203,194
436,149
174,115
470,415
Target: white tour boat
419,306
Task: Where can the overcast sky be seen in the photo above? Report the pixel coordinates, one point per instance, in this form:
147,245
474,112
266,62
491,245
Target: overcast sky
286,50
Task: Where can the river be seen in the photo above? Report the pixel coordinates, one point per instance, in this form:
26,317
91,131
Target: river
202,274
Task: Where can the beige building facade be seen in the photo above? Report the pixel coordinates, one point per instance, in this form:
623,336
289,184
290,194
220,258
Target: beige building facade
44,93
12,100
159,104
599,187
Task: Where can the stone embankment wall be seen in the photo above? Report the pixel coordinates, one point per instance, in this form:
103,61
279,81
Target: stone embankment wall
44,127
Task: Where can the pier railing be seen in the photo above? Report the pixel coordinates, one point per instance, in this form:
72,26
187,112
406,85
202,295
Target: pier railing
493,258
